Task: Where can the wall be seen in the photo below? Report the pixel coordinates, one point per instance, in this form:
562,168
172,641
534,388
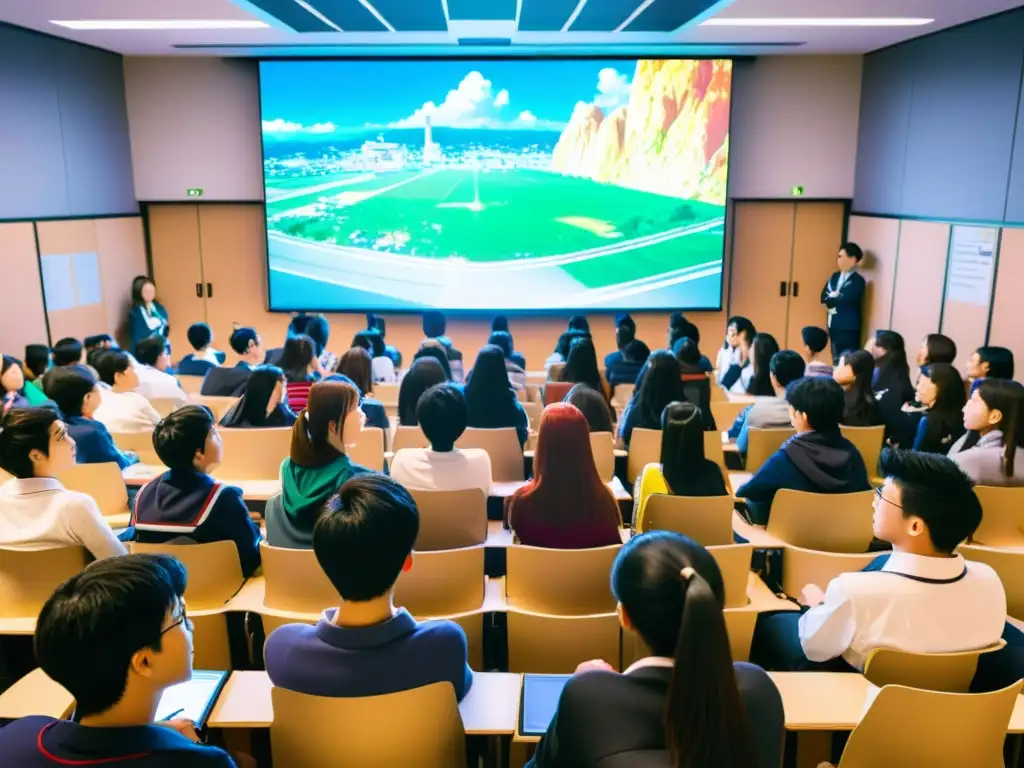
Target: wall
64,130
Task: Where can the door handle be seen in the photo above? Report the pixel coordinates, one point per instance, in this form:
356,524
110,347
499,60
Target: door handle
209,290
796,290
783,286
199,290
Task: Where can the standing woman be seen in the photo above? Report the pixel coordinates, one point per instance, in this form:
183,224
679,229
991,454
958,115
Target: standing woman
262,403
490,399
994,418
941,391
147,316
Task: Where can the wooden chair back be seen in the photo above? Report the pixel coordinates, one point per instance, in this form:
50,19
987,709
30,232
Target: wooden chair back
555,391
762,443
450,519
29,576
739,625
218,405
705,519
101,481
387,394
734,563
644,449
443,582
948,672
502,445
715,451
1002,519
165,406
253,454
408,437
369,449
533,394
295,582
533,412
622,394
936,729
214,573
140,443
830,522
190,385
801,567
418,728
725,410
555,645
869,442
566,582
718,394
603,446
1009,565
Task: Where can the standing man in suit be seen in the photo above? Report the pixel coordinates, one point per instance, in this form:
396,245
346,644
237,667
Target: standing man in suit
842,295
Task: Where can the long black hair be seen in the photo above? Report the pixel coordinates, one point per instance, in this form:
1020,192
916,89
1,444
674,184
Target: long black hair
298,353
672,594
861,409
946,416
424,373
658,384
939,349
593,406
252,408
892,368
682,446
489,396
437,353
137,285
581,365
1007,397
762,348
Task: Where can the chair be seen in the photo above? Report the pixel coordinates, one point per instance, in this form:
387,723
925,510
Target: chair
443,583
29,576
833,522
868,441
939,730
419,728
725,411
947,672
762,443
450,519
1002,519
555,391
565,582
734,563
369,449
190,385
603,446
165,406
739,625
644,449
104,483
801,567
294,586
705,519
218,405
409,437
387,394
622,394
715,451
140,443
1009,565
533,411
556,645
253,454
533,394
502,445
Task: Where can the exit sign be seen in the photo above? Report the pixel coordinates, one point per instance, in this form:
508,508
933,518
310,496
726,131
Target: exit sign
795,191
194,192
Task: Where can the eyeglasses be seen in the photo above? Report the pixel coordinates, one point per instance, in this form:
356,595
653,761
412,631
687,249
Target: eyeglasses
184,620
878,493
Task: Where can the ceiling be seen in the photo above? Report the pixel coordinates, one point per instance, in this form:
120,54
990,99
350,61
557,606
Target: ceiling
472,27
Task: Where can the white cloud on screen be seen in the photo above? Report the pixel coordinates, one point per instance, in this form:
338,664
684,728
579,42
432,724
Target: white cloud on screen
501,100
278,125
527,116
612,89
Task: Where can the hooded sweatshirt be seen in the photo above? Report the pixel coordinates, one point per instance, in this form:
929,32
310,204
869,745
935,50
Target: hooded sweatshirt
817,462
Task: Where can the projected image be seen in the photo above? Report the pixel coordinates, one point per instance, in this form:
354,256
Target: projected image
495,184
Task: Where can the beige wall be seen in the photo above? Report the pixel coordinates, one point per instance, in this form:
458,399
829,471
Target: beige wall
24,321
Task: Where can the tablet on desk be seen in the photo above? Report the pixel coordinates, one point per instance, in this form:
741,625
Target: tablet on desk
192,700
538,702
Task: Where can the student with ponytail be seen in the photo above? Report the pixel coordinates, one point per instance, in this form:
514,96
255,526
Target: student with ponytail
688,701
994,418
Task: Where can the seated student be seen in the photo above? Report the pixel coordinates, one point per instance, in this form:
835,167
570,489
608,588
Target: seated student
694,370
923,598
442,414
382,367
500,324
819,459
378,324
205,356
936,348
36,511
688,703
681,328
491,401
593,406
357,366
684,469
77,394
989,363
755,378
122,408
66,351
317,464
553,365
738,329
659,384
230,382
37,362
815,341
772,412
581,367
516,375
12,385
434,326
301,370
630,361
625,332
994,419
565,505
262,403
853,373
115,636
892,387
940,390
185,502
96,345
434,349
367,647
154,356
422,375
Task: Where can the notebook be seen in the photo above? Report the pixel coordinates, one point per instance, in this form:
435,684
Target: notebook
539,701
192,700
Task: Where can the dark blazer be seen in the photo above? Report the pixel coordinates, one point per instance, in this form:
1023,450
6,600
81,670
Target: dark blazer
273,356
376,416
847,306
617,721
226,382
189,365
139,329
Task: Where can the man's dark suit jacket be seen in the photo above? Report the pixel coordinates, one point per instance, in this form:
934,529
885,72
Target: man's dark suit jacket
847,305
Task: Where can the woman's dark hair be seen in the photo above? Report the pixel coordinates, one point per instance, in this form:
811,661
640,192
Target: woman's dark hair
893,368
489,396
861,408
565,342
424,373
371,341
686,351
581,365
1007,397
319,331
660,383
1000,361
672,593
940,349
499,323
625,331
68,387
593,406
503,340
252,408
137,285
298,354
636,351
947,415
435,353
764,347
743,326
329,401
682,446
356,364
37,359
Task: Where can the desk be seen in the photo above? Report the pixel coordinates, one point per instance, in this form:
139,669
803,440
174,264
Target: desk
35,694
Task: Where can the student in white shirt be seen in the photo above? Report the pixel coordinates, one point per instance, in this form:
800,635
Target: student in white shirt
154,357
442,413
36,511
122,408
922,598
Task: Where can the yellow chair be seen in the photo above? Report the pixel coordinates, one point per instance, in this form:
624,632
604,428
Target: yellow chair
296,589
369,449
409,437
165,406
140,443
502,445
644,449
938,730
869,442
705,519
104,483
603,446
762,443
29,576
834,522
190,385
387,394
418,728
948,672
725,411
443,583
801,567
1002,519
734,563
450,519
218,405
565,582
1009,564
554,645
254,454
533,411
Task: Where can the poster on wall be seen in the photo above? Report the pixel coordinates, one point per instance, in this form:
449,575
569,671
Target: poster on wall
971,266
71,280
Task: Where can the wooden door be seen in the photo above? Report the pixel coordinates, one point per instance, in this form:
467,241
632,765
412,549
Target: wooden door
761,254
817,235
177,269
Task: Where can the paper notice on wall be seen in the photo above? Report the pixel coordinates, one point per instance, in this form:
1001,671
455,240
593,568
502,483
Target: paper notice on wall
972,259
71,280
87,278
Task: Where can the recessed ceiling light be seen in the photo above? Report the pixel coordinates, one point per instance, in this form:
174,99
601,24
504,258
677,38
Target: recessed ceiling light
97,24
728,21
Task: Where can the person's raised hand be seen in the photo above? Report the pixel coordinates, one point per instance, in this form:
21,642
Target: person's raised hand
594,665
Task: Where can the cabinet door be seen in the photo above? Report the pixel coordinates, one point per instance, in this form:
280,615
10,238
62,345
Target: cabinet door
762,248
817,235
177,269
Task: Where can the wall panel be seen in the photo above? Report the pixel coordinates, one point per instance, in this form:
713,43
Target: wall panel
1007,329
920,278
24,321
122,249
87,316
879,238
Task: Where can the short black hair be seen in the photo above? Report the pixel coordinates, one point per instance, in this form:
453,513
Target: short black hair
97,620
442,414
319,330
934,488
434,324
1000,361
241,338
815,338
636,351
502,340
68,388
111,362
67,351
852,250
178,436
37,358
579,323
148,350
820,399
499,323
22,431
91,342
364,536
787,366
199,336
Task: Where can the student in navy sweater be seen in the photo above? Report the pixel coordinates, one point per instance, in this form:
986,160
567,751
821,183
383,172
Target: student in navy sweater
818,459
116,637
223,381
367,647
205,356
76,392
185,502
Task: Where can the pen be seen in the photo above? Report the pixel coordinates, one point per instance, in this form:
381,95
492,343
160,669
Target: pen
173,714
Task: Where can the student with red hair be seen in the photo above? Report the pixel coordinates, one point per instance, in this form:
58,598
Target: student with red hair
565,505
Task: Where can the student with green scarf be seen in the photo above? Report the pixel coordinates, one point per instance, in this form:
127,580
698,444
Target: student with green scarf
317,465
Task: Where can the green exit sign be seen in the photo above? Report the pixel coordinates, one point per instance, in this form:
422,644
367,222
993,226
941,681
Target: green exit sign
795,191
194,192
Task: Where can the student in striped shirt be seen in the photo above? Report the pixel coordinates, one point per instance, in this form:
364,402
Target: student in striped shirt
301,370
